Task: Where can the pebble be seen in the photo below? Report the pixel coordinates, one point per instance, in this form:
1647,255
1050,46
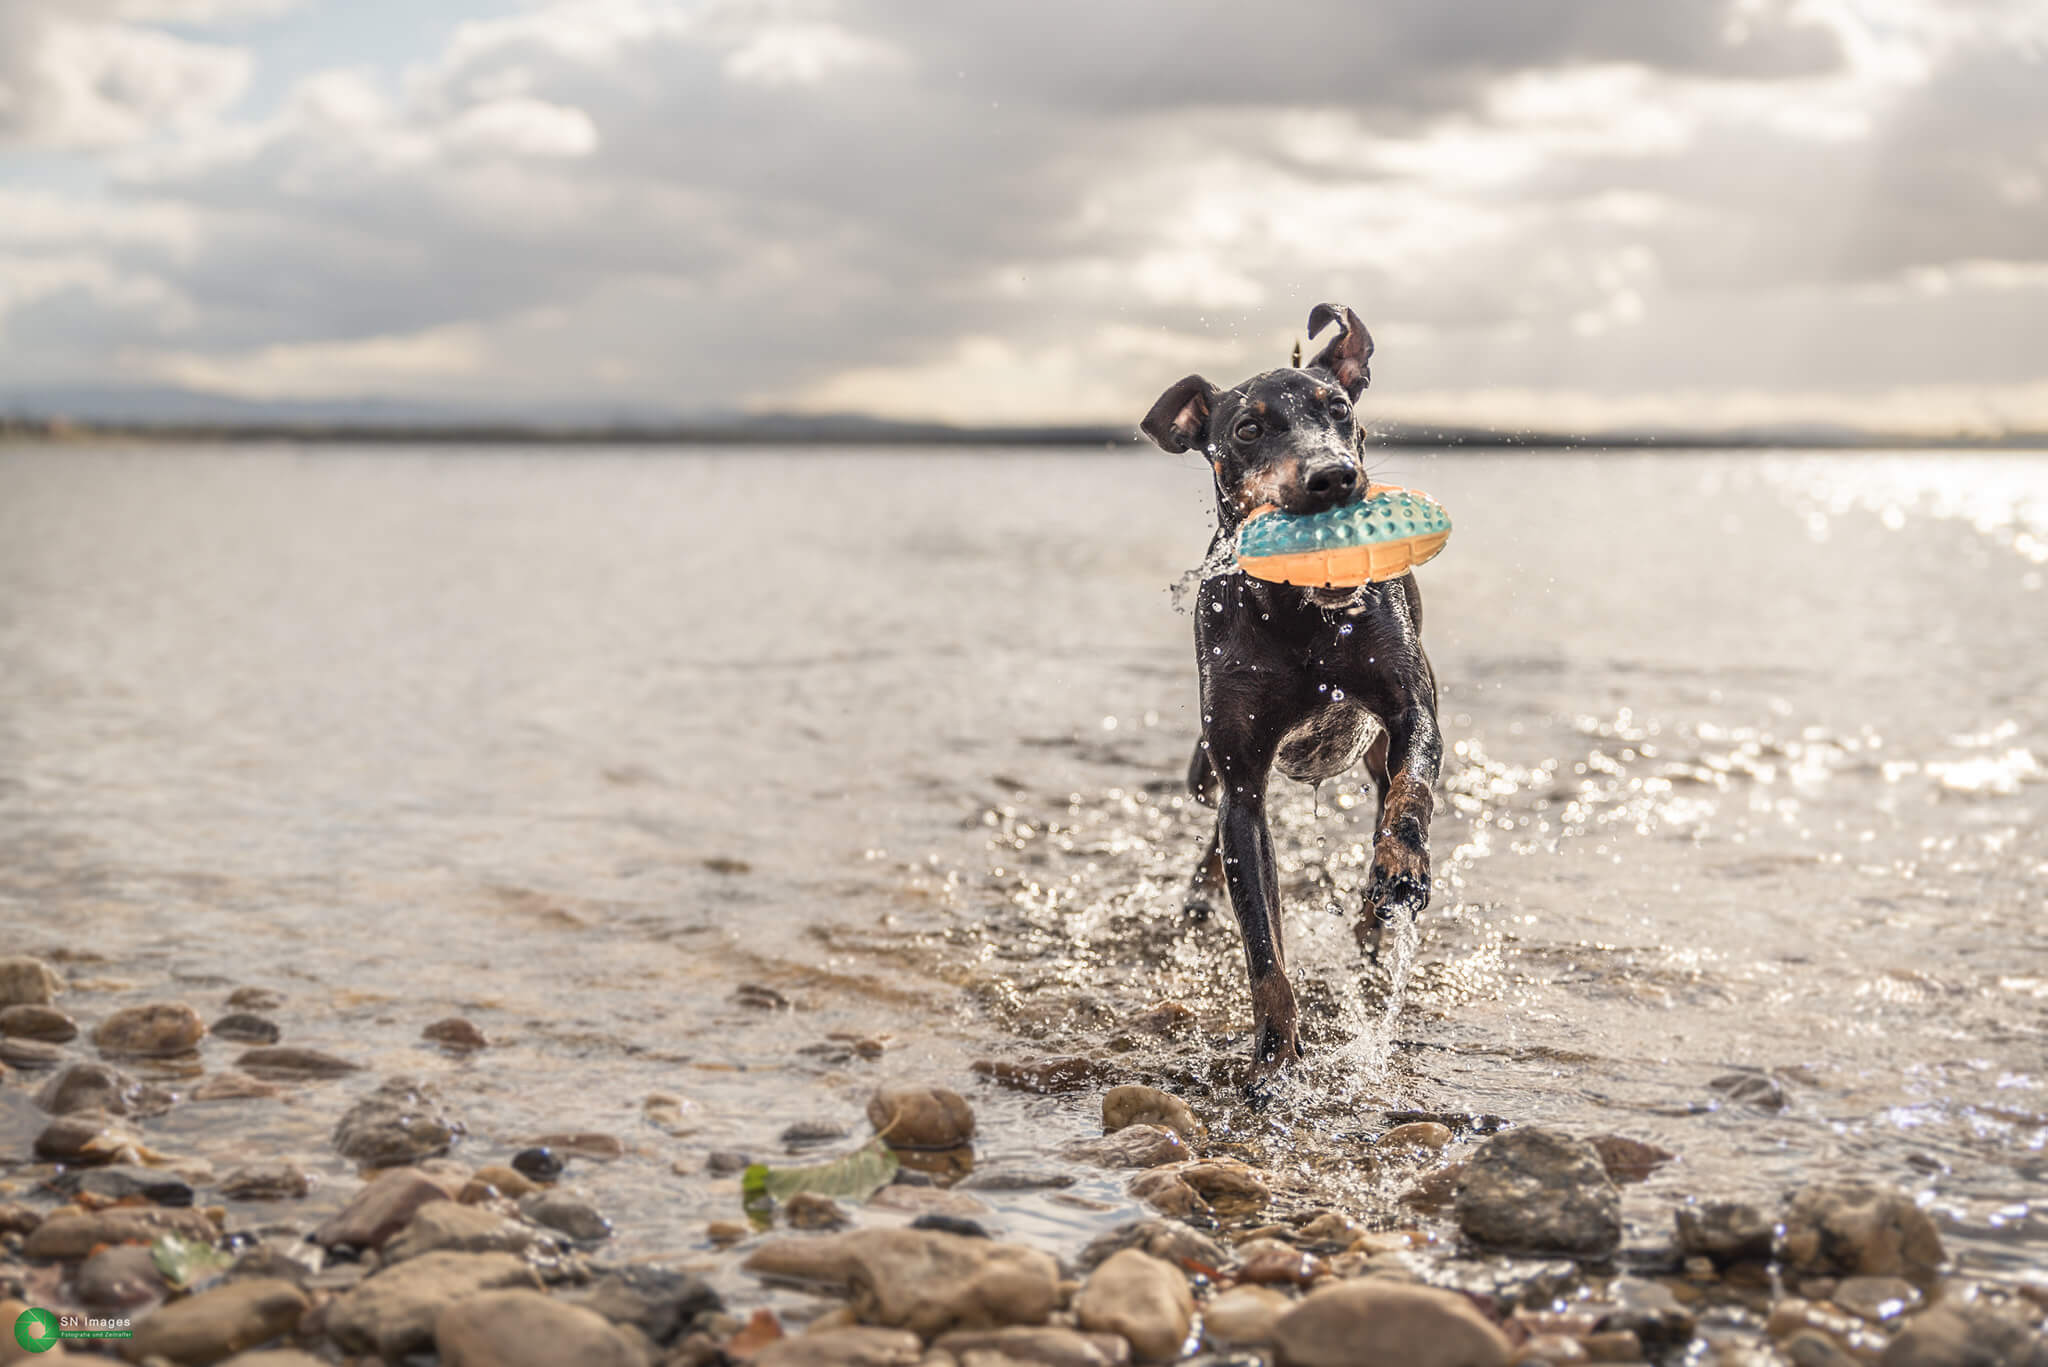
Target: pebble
1047,1076
233,1085
527,1329
1134,1146
380,1209
1373,1320
446,1227
1969,1336
1168,1239
29,1055
88,1137
18,1219
1877,1299
921,1280
267,1182
508,1181
921,1117
1045,1346
539,1165
1538,1190
222,1320
1142,1298
1416,1134
1756,1091
456,1034
1435,1189
401,1122
246,1027
157,1030
125,1181
558,1211
661,1303
70,1237
809,1210
1014,1179
848,1347
1230,1187
1859,1229
725,1162
291,1063
806,1134
37,1022
123,1275
27,982
90,1087
1244,1316
1629,1160
1163,1190
598,1148
1811,1348
926,1201
255,999
1728,1232
1133,1104
392,1312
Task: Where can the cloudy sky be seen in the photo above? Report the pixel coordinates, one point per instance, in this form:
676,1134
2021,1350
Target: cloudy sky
1552,213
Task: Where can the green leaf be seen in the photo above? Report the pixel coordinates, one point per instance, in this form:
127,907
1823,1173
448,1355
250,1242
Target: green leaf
185,1262
857,1176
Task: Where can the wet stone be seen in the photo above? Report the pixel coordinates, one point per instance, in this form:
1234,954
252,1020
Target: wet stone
288,1062
507,1181
255,999
1134,1146
1013,1179
1754,1091
88,1137
1650,1312
1965,1336
246,1027
567,1215
36,1022
1629,1160
89,1087
455,1034
401,1122
156,1030
1137,1105
1372,1320
854,1346
232,1085
809,1210
1877,1299
125,1181
123,1275
1859,1229
75,1236
1040,1346
26,981
1727,1232
541,1165
380,1209
918,1280
392,1312
1142,1298
661,1303
1244,1315
29,1055
1168,1239
444,1226
1540,1191
590,1144
805,1134
209,1326
18,1219
267,1182
527,1329
920,1117
725,1162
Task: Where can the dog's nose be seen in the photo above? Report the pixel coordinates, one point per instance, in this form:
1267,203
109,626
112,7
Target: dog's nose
1332,482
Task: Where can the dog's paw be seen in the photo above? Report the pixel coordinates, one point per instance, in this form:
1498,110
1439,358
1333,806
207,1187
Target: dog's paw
1400,879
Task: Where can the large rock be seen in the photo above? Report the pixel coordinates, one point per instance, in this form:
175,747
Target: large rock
921,1117
1136,1105
207,1327
1244,1316
380,1209
1369,1322
528,1329
1847,1229
1535,1190
1965,1336
401,1122
156,1030
26,981
75,1236
443,1226
1041,1346
920,1280
1142,1298
851,1347
393,1312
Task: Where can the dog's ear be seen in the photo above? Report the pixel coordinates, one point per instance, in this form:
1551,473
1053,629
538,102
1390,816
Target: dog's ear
1181,416
1348,352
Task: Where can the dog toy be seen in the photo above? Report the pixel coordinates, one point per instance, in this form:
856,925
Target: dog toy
1383,536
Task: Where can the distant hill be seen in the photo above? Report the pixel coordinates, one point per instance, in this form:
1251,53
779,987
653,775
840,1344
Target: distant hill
182,414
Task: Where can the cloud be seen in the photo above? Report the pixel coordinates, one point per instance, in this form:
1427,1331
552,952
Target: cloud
69,79
1053,210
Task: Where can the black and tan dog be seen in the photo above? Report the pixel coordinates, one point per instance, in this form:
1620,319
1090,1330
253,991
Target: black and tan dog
1301,680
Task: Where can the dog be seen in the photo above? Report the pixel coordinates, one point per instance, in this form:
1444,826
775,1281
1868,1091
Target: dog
1303,680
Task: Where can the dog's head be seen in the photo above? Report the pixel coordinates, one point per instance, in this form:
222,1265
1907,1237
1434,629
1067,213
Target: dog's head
1287,437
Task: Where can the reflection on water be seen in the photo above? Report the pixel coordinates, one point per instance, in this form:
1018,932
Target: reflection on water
1745,780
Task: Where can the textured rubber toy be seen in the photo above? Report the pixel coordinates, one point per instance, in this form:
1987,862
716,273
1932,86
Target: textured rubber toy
1382,536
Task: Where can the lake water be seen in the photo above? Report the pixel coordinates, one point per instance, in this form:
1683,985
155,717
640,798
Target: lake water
1745,779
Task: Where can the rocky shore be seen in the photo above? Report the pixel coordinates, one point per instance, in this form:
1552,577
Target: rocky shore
1482,1243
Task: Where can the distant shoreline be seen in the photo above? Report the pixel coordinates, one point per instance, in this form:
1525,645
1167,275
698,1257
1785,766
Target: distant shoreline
788,432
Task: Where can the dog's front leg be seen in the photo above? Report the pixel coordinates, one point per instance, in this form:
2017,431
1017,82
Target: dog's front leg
1400,852
1243,757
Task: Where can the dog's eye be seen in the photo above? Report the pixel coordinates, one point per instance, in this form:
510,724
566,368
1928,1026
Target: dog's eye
1248,431
1340,410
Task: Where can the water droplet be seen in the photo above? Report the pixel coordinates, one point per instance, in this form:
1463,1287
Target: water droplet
1344,630
1336,695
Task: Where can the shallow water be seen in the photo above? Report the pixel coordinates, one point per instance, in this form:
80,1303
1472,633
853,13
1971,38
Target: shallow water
1747,777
